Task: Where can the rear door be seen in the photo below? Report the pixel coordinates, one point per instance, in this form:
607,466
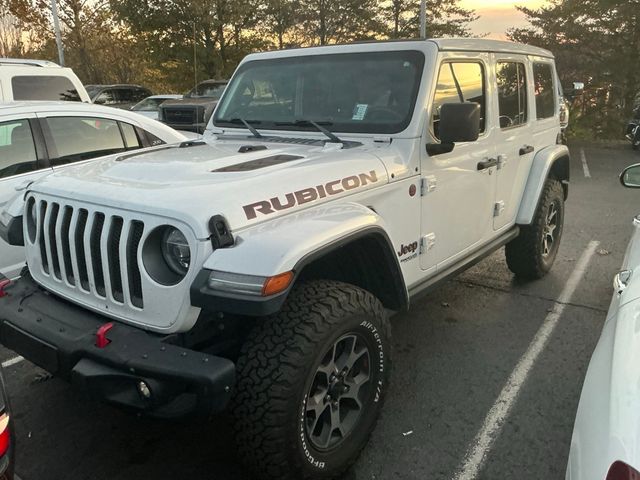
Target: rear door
22,161
514,135
458,196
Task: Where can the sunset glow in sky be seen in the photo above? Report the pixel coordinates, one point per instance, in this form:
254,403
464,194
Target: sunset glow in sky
497,16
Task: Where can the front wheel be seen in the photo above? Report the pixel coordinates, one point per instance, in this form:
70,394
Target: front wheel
311,382
532,253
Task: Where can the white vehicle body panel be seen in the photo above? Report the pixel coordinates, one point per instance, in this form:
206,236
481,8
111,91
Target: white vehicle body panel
607,426
12,258
8,71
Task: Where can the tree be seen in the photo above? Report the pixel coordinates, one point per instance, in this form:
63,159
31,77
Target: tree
445,18
339,21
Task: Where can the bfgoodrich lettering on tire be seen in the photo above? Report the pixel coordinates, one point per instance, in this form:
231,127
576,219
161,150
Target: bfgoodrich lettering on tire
533,252
311,382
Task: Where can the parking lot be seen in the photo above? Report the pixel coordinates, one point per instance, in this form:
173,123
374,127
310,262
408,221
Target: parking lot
448,415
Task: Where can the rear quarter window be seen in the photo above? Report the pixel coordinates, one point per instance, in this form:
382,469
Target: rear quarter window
44,87
544,91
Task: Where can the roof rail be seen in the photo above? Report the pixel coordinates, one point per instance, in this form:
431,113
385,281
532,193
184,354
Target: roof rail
27,62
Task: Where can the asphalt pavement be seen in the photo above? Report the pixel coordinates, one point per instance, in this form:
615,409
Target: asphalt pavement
454,410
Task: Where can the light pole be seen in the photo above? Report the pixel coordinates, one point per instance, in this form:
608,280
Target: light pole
195,59
423,19
56,27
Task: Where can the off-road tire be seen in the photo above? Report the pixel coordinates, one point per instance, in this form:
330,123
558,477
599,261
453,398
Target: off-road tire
278,367
525,254
635,141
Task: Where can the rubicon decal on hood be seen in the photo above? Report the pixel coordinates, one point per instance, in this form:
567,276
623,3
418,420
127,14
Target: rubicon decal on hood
299,197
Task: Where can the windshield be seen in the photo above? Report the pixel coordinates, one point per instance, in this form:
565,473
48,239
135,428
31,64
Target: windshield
148,105
209,90
357,92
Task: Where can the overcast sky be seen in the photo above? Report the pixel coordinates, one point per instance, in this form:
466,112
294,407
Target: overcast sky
497,16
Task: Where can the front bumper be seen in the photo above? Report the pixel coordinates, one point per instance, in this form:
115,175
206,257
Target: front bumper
61,338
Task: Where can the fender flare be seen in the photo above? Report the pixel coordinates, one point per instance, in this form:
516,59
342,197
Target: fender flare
554,159
291,243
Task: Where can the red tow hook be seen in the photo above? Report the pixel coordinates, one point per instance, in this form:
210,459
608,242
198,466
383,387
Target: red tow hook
4,283
101,335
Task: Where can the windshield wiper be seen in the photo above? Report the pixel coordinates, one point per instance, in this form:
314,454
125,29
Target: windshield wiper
246,123
303,123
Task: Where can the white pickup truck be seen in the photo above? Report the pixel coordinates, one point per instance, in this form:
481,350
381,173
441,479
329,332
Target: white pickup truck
254,269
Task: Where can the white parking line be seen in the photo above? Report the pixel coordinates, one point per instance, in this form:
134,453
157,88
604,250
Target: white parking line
585,167
12,361
496,417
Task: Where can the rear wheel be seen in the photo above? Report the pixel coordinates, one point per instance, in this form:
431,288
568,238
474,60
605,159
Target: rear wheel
311,382
532,253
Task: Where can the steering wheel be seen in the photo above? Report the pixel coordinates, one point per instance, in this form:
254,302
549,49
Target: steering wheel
383,113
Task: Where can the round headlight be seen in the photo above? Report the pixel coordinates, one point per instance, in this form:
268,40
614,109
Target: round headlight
175,250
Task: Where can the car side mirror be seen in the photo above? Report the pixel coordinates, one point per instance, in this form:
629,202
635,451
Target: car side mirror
578,86
459,122
630,176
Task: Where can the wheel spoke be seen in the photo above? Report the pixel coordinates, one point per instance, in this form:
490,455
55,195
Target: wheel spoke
336,422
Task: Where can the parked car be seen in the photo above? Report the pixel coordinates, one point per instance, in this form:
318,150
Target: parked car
150,106
22,79
192,113
38,138
118,96
254,269
606,435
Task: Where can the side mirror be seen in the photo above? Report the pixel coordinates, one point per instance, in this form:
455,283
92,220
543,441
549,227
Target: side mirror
459,122
578,86
630,176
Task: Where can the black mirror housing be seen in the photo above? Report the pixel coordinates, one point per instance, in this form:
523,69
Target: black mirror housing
459,122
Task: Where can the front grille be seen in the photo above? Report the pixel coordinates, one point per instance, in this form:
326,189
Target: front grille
94,252
183,115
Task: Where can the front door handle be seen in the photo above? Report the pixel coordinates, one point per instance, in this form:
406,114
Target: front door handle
526,150
488,163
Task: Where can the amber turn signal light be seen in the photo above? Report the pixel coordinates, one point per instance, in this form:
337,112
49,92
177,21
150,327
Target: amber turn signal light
277,284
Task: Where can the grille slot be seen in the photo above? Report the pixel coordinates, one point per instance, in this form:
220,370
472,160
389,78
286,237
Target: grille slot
96,253
135,281
92,251
113,254
83,216
66,245
42,212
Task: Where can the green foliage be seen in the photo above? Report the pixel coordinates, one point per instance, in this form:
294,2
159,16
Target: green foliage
167,45
596,42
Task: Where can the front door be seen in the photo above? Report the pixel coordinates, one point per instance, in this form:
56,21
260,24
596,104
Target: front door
458,193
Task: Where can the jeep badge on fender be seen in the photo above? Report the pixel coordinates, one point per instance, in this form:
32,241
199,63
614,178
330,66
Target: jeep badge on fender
254,270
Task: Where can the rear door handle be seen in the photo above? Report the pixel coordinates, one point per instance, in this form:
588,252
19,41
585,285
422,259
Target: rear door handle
526,150
488,163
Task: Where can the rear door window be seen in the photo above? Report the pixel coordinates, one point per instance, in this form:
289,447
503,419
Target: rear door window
74,139
43,87
544,91
512,94
17,148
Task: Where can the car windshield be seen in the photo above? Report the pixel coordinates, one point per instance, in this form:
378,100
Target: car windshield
148,105
360,92
208,90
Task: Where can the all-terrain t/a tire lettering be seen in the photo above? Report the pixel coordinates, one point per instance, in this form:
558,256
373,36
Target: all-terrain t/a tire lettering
311,382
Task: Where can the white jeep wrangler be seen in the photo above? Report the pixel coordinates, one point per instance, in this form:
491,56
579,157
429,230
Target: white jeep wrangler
255,269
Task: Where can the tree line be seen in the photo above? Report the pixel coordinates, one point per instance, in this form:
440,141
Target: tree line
596,42
165,44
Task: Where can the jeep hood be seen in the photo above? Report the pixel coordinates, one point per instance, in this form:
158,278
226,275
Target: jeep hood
194,183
